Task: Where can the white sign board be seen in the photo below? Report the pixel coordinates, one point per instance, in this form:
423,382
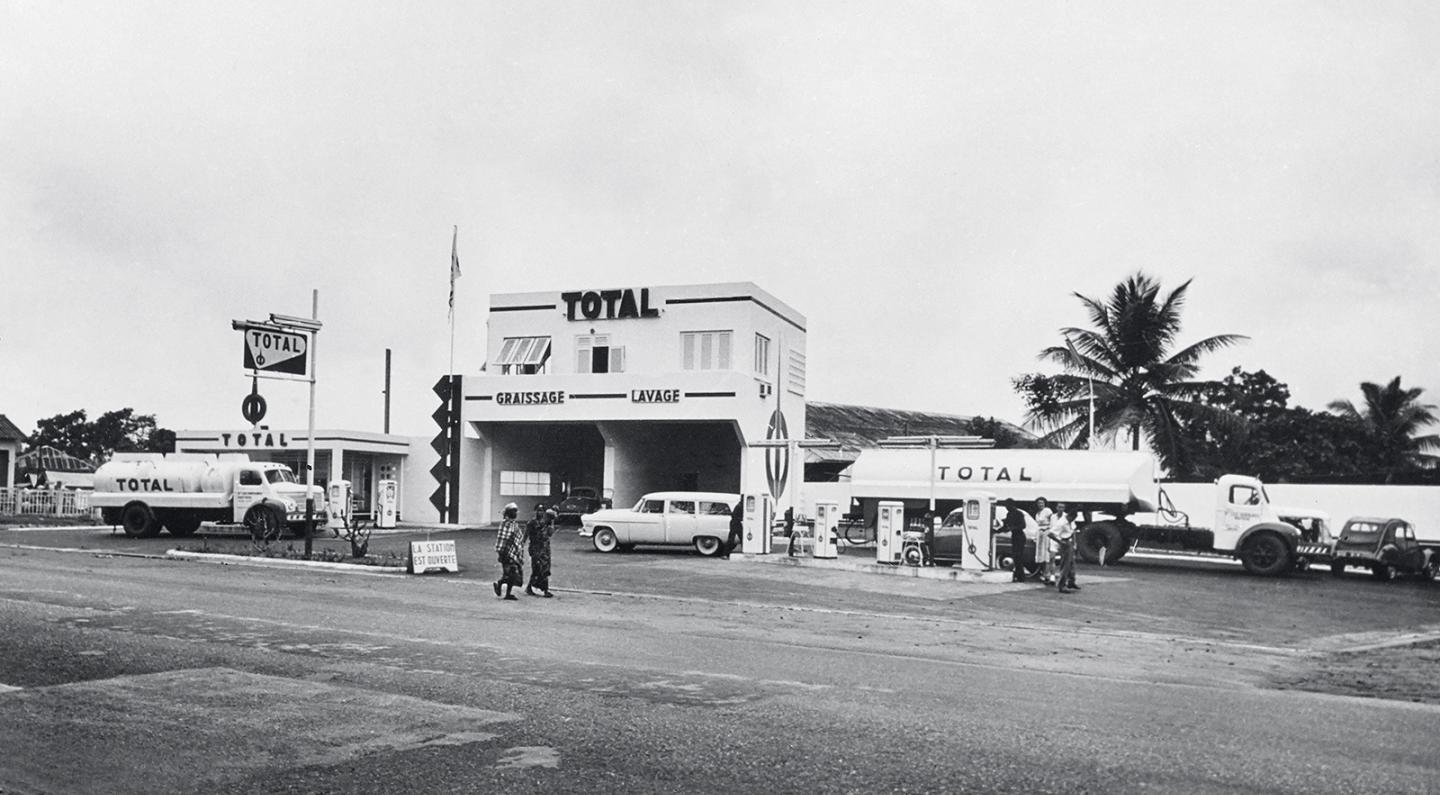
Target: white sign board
272,350
432,556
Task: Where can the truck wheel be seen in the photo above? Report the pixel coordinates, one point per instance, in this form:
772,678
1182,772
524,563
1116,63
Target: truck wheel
1265,554
604,540
139,521
1337,569
263,523
1098,536
182,524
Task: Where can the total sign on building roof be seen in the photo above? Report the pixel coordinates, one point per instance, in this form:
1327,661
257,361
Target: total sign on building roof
624,389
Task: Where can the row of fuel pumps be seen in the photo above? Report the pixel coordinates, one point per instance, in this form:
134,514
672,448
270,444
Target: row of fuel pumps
968,536
341,497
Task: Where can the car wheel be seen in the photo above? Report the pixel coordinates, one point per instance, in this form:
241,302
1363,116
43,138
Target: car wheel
709,546
1337,569
605,540
1383,572
1265,554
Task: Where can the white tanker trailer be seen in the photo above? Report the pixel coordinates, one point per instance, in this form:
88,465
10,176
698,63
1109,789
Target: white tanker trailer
143,492
1112,491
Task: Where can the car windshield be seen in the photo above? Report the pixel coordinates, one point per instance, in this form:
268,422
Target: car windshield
280,476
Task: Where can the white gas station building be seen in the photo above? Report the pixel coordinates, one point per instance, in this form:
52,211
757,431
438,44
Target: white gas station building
627,390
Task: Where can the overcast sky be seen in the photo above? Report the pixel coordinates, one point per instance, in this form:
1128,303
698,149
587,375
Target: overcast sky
928,183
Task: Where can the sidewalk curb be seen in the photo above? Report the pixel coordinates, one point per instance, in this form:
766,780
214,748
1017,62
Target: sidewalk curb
943,573
282,563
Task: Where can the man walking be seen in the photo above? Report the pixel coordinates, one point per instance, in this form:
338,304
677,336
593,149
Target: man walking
538,533
508,551
737,526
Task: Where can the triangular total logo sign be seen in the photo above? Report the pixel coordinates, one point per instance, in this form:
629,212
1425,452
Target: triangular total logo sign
273,351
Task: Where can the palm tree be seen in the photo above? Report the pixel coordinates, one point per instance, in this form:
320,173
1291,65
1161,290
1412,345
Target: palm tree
1393,415
1139,385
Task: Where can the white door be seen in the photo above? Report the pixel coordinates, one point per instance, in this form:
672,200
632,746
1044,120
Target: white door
680,524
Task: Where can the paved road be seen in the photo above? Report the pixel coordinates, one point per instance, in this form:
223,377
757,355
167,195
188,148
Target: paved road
665,672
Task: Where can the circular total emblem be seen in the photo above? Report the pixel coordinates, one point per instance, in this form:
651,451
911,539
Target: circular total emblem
252,408
777,459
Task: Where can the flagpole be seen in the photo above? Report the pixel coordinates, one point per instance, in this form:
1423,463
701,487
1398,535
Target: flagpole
454,273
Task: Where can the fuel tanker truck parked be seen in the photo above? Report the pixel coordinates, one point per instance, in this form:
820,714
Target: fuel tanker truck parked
1118,495
143,492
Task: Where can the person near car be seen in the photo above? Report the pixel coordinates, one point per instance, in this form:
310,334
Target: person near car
509,550
1044,554
538,533
1014,524
737,527
1062,531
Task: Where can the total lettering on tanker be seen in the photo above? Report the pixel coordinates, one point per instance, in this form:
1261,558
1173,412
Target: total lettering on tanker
983,473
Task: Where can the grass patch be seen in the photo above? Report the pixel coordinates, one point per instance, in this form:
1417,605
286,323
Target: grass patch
291,550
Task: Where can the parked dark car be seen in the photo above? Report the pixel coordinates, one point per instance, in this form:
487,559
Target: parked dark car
1386,546
582,500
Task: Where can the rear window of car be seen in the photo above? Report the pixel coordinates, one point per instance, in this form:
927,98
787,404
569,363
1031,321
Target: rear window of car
714,508
682,506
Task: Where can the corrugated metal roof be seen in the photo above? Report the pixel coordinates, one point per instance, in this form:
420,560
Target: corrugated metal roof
8,431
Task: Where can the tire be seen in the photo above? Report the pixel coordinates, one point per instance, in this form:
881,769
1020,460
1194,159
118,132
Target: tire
182,524
708,546
912,557
1383,572
605,540
1098,536
263,523
1337,569
1265,554
139,521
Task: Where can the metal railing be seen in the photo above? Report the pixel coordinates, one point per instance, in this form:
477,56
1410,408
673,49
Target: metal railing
44,502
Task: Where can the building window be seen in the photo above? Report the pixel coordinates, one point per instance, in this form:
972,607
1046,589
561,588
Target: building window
523,355
595,354
705,350
524,484
762,355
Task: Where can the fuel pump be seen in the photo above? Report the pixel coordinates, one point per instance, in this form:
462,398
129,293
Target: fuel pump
978,550
827,521
387,504
759,513
889,531
339,495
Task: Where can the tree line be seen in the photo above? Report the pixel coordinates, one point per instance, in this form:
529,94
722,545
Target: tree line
1129,376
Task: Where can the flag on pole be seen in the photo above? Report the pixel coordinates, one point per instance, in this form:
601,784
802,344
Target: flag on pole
454,266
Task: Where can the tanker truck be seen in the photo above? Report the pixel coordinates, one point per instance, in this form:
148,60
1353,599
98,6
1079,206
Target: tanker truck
143,492
1118,495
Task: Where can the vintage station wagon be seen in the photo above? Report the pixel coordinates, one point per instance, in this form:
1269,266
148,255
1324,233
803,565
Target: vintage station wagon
672,518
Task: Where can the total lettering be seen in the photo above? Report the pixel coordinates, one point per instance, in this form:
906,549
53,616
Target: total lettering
608,304
142,484
968,473
255,439
529,398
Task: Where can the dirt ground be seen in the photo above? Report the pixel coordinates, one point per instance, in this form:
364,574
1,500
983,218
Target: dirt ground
1402,673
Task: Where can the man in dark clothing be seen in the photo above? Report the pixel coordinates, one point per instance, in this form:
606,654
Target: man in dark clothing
538,532
737,527
1014,524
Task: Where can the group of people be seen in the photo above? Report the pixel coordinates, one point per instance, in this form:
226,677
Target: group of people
1057,539
512,542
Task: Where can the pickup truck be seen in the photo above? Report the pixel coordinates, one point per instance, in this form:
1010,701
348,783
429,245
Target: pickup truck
1387,546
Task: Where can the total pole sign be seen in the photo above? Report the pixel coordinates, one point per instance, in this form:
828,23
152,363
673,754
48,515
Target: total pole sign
269,349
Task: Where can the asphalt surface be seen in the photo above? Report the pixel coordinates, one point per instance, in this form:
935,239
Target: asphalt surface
660,671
